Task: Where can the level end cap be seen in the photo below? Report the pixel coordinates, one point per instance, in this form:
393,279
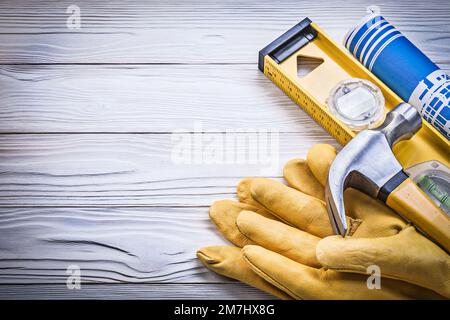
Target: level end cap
285,37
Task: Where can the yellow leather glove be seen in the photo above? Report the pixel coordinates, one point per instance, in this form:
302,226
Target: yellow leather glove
288,248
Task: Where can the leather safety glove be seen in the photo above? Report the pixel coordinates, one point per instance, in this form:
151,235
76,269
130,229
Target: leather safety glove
289,250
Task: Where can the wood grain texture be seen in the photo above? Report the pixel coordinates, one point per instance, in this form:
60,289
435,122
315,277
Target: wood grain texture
109,245
227,291
154,98
229,31
135,169
145,99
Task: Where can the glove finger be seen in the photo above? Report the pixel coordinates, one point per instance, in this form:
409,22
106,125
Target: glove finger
303,282
319,159
407,256
223,214
376,219
299,176
282,272
289,205
229,262
276,236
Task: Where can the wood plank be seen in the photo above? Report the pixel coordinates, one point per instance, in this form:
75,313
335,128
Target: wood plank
227,291
108,245
139,169
152,244
191,31
156,98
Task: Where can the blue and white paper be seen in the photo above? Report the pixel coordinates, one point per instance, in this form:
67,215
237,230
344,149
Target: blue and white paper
404,68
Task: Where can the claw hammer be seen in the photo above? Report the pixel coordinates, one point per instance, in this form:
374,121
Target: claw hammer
368,164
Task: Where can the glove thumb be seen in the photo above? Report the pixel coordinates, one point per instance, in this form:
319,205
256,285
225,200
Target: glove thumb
406,256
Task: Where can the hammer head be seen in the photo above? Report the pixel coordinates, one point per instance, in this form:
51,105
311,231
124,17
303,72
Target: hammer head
367,163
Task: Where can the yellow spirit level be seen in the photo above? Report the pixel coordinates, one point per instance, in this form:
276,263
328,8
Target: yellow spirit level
306,40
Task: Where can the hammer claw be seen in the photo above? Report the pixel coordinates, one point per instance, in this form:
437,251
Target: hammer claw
337,217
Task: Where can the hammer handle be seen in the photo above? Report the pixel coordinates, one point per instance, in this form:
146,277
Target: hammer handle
413,204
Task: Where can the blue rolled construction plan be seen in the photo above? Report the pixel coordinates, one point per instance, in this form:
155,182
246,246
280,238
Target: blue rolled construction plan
403,68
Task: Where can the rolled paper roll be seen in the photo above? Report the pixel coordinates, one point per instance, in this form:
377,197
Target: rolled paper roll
388,54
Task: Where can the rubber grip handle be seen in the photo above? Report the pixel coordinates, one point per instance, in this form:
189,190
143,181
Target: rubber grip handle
412,203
